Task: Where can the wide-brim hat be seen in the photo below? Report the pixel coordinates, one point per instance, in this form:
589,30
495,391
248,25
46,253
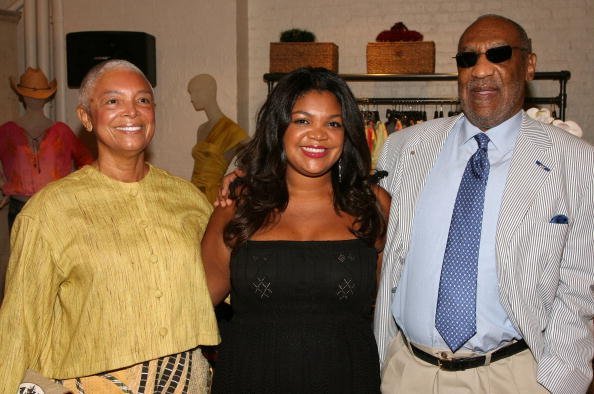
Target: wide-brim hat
33,83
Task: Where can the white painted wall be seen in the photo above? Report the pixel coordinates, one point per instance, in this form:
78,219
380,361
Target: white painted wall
561,32
192,37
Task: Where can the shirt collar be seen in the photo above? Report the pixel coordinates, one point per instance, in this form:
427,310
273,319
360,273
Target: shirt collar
503,136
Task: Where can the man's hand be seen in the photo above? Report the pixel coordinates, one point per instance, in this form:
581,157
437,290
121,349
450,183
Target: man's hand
223,199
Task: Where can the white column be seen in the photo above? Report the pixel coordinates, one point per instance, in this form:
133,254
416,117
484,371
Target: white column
59,40
43,37
30,34
43,46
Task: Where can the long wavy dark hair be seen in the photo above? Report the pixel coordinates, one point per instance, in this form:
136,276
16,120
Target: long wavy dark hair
262,193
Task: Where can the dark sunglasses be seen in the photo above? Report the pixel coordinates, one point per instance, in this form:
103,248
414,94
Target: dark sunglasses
494,55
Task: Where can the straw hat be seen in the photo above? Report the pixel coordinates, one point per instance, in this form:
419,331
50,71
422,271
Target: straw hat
34,84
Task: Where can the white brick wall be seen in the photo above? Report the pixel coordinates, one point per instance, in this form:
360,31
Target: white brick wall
562,33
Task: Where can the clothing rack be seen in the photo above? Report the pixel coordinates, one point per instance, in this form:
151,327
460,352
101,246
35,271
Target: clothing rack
560,100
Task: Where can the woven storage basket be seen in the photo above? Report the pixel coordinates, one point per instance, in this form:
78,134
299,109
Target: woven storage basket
287,56
416,57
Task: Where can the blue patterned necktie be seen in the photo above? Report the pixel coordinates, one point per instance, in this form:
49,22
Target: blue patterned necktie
455,318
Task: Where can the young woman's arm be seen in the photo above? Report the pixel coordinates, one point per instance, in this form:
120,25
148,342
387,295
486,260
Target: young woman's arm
216,254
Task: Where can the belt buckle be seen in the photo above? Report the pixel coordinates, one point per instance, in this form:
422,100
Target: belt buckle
440,361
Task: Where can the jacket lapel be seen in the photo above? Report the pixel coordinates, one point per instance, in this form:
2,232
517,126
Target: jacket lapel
531,165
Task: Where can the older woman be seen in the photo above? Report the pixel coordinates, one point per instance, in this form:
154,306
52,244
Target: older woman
105,288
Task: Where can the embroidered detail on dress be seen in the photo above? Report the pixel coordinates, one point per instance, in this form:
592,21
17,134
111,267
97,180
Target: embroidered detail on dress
260,259
262,287
342,257
345,289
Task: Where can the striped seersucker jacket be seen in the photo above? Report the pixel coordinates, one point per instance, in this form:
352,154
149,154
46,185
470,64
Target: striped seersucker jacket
545,270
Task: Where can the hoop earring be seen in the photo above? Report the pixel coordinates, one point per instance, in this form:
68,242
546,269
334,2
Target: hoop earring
340,170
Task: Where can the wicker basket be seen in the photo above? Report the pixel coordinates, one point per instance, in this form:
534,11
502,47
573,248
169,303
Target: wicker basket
287,56
416,57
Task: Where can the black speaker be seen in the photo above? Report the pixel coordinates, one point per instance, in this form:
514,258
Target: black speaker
85,49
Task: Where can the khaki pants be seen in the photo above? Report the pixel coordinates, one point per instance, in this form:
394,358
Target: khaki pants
404,373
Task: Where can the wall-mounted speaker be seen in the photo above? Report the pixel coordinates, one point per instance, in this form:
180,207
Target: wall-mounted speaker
87,48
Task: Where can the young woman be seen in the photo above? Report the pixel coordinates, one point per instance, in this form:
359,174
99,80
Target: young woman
299,248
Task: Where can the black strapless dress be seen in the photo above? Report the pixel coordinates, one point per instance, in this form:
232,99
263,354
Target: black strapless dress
302,319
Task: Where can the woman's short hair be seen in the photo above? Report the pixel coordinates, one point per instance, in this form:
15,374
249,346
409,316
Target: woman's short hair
90,80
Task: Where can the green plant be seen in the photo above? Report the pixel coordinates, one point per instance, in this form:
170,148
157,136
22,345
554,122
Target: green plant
297,35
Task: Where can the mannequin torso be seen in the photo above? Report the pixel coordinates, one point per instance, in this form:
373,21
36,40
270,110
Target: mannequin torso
217,139
34,121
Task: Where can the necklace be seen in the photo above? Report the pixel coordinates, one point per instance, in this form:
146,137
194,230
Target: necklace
35,144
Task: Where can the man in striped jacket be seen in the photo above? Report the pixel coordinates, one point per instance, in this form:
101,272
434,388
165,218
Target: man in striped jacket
488,275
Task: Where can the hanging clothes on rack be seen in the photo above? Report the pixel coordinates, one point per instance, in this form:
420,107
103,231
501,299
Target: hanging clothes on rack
381,134
370,118
397,119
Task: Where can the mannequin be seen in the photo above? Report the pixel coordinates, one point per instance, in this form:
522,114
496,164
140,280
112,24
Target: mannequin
35,150
217,140
34,119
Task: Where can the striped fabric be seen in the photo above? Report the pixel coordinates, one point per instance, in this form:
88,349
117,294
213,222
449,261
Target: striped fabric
182,373
546,270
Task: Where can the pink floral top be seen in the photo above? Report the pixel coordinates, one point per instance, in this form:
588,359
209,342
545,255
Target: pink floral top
27,170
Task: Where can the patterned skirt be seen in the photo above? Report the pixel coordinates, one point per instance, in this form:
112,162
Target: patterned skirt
183,373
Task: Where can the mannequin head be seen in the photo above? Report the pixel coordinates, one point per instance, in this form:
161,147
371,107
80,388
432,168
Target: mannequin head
203,91
33,104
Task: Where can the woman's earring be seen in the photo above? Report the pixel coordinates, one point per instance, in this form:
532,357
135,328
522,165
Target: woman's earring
340,170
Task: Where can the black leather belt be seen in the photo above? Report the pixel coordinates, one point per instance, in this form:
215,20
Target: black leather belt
460,364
